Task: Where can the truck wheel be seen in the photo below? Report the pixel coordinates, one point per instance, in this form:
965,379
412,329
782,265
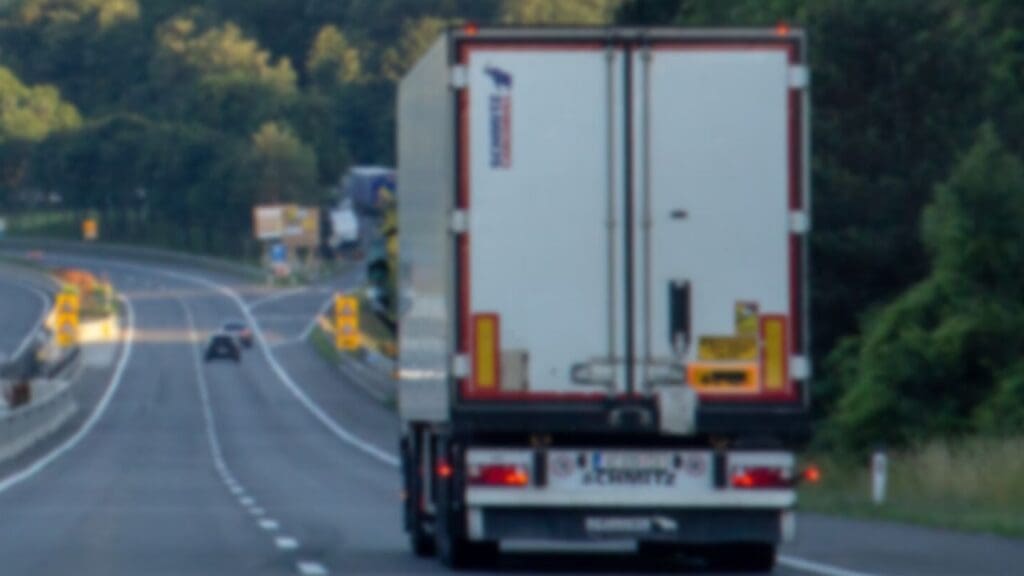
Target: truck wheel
421,543
458,553
747,557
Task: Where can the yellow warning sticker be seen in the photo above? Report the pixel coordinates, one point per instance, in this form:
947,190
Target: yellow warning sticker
746,319
725,348
775,353
723,377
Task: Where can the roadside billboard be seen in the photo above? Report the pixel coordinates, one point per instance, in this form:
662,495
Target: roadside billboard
293,224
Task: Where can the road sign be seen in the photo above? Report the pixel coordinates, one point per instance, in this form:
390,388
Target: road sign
68,303
90,229
346,323
278,253
67,308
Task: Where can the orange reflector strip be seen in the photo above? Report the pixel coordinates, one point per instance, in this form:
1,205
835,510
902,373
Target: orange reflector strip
486,350
774,338
722,377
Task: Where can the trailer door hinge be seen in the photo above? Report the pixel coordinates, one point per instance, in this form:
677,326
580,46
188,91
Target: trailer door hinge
799,222
459,77
799,77
459,221
460,366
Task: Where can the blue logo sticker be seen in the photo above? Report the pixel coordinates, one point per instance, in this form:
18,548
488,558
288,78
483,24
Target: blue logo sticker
501,118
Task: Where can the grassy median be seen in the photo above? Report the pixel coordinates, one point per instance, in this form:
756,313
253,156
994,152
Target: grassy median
974,485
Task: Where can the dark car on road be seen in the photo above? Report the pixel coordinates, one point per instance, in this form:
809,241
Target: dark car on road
240,331
223,346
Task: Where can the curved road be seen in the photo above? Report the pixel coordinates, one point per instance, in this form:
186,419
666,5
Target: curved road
277,465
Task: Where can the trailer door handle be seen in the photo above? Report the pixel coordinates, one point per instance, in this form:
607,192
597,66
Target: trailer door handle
679,315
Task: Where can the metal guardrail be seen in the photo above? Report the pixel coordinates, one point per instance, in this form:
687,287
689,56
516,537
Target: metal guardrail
23,427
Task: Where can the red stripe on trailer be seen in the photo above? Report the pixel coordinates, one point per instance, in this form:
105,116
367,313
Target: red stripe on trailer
513,45
796,204
783,45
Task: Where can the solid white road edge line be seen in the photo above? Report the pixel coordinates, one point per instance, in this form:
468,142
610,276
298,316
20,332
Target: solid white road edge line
809,566
97,413
312,323
277,297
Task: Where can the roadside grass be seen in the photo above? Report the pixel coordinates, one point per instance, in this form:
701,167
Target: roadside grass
324,346
974,485
59,223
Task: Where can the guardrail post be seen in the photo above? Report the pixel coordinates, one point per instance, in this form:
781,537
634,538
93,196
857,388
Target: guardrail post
879,476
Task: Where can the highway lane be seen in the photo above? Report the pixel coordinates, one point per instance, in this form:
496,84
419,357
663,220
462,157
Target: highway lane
143,493
139,494
23,306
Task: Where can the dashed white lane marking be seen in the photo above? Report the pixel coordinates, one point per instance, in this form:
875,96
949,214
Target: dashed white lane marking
311,569
286,543
816,567
247,501
257,512
312,407
269,525
97,413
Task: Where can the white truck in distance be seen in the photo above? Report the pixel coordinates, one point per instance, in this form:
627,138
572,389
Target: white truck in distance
603,264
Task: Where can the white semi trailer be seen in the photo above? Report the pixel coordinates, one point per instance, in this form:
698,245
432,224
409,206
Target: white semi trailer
603,275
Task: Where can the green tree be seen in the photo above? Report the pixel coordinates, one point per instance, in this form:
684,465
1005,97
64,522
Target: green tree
281,168
189,48
574,12
928,363
27,116
32,113
417,37
61,12
332,60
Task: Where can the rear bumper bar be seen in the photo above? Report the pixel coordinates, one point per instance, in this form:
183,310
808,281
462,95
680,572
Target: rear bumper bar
649,525
628,416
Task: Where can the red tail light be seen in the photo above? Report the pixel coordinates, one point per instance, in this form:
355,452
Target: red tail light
444,469
499,475
812,474
760,478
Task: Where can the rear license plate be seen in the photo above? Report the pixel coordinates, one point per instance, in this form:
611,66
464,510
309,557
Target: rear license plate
604,469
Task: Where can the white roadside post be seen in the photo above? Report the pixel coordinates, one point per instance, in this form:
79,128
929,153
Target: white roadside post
879,476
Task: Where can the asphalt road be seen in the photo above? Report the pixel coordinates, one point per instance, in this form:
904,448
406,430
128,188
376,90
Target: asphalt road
22,305
279,465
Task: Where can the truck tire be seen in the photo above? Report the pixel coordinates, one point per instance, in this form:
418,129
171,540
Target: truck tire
457,553
420,541
453,549
753,557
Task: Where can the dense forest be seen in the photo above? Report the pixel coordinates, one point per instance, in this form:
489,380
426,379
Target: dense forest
171,118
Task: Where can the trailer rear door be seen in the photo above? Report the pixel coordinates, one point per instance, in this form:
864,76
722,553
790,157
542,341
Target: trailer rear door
541,184
718,234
